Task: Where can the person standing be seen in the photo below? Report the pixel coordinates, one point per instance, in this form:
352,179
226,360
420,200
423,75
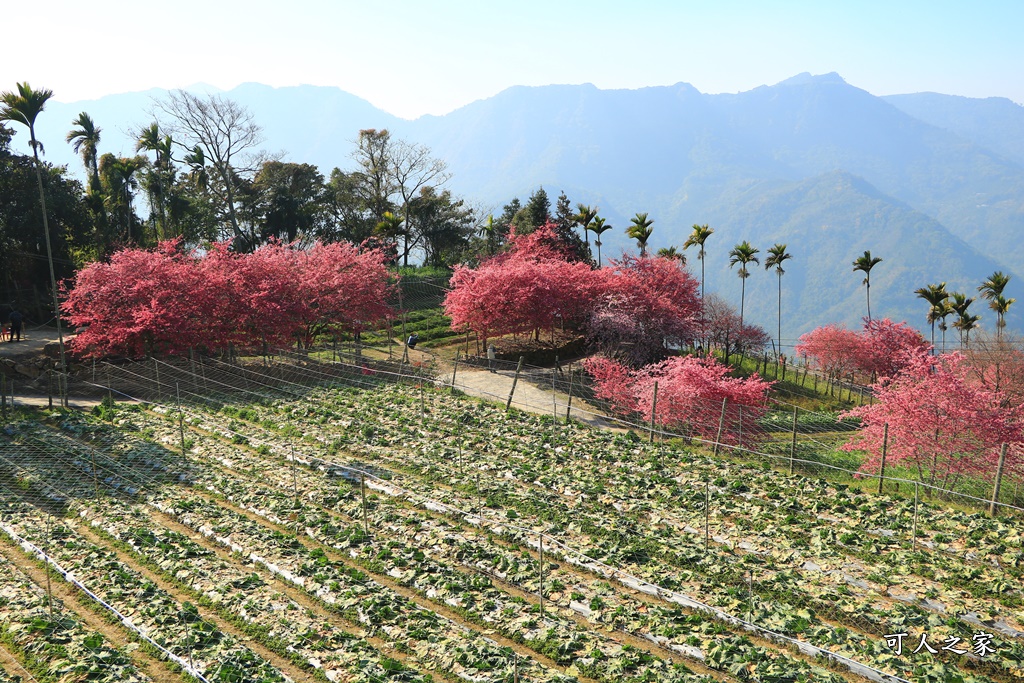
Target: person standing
15,319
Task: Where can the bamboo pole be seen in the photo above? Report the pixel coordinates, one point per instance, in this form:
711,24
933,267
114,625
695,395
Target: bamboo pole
792,446
721,424
181,419
654,410
362,494
540,567
455,368
885,450
999,480
568,407
913,546
515,380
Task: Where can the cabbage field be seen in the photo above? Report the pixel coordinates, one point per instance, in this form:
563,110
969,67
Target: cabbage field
394,533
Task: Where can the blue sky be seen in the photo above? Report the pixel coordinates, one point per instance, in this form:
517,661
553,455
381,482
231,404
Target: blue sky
431,56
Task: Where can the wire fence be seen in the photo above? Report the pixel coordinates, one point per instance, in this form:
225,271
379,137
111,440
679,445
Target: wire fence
718,536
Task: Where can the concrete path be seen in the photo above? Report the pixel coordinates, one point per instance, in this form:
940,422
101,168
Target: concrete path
494,386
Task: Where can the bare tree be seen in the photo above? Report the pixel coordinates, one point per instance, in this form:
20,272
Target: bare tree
228,135
393,173
373,154
412,169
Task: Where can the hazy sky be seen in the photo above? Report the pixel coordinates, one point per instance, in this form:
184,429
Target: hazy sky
413,57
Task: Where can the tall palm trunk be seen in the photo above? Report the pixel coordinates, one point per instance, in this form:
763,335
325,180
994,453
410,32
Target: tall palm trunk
779,338
49,260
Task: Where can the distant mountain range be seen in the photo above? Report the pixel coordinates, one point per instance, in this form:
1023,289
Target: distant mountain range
933,184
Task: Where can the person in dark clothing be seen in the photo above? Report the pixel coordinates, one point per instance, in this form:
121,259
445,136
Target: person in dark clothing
16,321
413,340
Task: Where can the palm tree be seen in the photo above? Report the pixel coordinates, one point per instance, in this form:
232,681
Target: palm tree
777,255
743,253
959,303
672,254
85,140
585,214
390,225
866,263
1000,305
936,296
640,230
158,178
196,160
120,175
699,235
945,310
489,231
599,227
23,107
992,289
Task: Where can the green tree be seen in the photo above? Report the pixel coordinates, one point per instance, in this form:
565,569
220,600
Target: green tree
743,254
24,107
865,263
85,140
640,229
964,322
992,290
536,213
157,177
778,255
290,203
697,238
599,226
585,215
351,218
672,254
120,182
489,230
935,296
446,225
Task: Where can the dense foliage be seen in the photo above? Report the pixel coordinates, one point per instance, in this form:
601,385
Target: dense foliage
940,422
167,301
882,349
694,396
631,308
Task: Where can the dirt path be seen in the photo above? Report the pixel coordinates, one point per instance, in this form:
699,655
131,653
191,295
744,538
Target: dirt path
495,386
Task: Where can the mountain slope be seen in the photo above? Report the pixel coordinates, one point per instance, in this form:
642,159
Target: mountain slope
994,122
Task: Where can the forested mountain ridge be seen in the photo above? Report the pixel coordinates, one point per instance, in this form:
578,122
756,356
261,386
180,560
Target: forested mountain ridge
920,185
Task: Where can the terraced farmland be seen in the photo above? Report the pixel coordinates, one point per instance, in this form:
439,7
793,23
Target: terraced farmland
392,534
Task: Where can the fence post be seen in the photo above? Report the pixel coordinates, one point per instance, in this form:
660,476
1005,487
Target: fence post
654,410
792,447
750,593
885,450
541,568
707,516
913,546
999,480
515,380
49,592
110,393
49,389
554,398
181,419
363,494
156,369
568,407
3,395
455,369
721,423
